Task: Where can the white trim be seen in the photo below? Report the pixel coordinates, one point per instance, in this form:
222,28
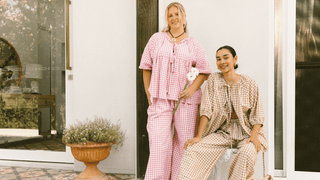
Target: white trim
69,83
279,173
66,166
289,16
298,175
280,178
161,9
36,155
289,40
269,156
285,81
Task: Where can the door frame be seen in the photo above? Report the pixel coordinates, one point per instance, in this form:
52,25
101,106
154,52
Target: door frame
147,25
37,158
289,39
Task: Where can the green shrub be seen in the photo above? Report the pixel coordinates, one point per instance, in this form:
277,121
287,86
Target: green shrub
98,130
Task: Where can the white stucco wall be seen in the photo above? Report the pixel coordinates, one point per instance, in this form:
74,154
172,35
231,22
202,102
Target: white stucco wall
104,75
104,57
247,26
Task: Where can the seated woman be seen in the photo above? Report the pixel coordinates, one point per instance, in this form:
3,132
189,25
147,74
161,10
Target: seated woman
232,106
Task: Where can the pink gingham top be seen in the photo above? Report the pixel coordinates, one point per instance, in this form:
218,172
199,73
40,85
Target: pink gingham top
170,63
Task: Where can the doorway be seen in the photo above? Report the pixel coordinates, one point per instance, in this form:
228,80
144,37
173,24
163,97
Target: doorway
307,105
147,25
34,104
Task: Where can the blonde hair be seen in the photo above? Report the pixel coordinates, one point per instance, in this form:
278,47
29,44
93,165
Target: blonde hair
183,12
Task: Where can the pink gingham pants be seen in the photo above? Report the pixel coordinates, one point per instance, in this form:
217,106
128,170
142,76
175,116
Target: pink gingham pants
166,152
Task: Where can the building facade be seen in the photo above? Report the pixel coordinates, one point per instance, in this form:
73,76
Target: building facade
277,43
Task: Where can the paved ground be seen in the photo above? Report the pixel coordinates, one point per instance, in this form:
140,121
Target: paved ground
18,173
38,143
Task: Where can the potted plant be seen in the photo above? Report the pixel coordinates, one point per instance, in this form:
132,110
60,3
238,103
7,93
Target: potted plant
91,142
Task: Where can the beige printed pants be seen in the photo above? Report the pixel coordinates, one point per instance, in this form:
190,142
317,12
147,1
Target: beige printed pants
199,159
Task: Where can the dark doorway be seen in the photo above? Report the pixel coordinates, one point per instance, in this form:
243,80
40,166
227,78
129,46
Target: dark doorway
307,113
147,25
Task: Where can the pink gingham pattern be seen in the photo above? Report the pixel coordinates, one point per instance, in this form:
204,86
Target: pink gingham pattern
166,153
170,63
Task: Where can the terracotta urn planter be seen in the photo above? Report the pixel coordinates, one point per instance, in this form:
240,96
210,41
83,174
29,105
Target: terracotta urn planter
91,154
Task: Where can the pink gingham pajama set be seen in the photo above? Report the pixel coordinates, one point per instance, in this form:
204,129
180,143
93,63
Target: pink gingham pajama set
170,63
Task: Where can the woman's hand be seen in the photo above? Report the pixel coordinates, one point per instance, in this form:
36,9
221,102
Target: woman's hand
148,96
255,140
191,141
146,82
188,92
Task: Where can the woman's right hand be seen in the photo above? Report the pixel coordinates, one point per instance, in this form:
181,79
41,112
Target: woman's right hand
149,101
148,96
146,82
191,141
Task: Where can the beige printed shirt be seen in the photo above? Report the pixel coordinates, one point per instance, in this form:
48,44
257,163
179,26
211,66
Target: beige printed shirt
246,101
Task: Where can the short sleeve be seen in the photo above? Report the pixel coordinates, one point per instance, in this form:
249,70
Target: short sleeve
146,59
257,114
201,62
206,107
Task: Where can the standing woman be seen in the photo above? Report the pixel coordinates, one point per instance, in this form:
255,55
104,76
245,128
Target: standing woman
232,105
167,59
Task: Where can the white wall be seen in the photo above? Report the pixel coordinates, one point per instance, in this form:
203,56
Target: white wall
104,75
104,58
247,26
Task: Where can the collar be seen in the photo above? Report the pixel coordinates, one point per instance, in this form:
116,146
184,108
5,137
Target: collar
169,38
223,83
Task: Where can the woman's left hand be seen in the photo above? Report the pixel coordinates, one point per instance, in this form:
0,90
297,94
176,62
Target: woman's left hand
187,93
255,140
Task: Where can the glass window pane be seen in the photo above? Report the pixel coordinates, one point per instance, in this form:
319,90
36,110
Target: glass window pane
308,31
307,105
32,70
307,120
